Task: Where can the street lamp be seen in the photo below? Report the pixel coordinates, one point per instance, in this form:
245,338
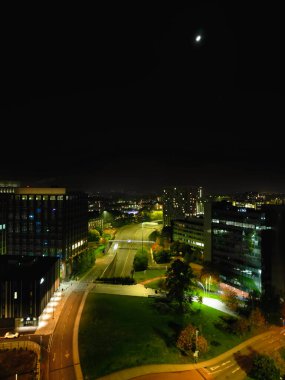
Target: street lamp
196,353
142,236
208,283
201,285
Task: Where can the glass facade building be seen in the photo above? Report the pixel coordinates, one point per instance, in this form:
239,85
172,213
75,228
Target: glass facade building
247,246
190,231
45,222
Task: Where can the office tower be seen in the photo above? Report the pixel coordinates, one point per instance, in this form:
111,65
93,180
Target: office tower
45,222
26,286
247,245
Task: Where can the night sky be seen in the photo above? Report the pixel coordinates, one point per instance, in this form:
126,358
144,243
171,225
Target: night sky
123,98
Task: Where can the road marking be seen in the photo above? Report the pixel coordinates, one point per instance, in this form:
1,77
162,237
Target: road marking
235,370
53,359
67,354
126,260
213,368
219,370
226,362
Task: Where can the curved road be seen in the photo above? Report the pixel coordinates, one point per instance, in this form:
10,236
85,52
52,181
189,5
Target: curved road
61,365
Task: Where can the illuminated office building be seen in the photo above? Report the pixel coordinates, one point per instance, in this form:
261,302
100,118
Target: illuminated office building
46,222
247,245
190,231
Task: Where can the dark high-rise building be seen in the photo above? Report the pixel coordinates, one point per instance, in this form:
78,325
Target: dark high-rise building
2,226
45,222
180,203
26,286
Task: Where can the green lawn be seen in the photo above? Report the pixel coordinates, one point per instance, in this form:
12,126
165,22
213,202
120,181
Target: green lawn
208,294
118,332
148,274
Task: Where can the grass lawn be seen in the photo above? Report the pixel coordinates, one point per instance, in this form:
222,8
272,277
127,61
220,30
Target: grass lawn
118,332
208,294
148,274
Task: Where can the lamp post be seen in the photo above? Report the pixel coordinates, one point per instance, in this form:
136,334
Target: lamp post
142,237
196,353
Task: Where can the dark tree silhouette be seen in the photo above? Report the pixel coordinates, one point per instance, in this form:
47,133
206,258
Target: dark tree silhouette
179,280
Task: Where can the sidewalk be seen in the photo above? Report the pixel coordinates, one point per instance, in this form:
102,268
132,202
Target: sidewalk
51,313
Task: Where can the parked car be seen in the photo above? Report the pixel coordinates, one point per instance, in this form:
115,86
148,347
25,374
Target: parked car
11,335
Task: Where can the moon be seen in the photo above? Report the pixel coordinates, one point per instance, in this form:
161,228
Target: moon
198,38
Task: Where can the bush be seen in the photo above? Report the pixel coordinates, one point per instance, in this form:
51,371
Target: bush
118,280
263,367
140,261
161,257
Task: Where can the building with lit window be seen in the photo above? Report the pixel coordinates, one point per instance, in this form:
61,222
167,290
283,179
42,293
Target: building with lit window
2,226
180,203
247,245
46,222
26,286
190,231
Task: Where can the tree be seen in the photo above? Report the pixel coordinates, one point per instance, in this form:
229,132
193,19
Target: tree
188,338
253,300
93,235
140,260
241,326
263,367
179,280
161,256
229,297
154,236
200,300
256,318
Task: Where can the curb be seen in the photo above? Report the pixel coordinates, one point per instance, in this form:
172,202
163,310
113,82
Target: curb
76,359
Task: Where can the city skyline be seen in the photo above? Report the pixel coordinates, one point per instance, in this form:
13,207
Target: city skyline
132,101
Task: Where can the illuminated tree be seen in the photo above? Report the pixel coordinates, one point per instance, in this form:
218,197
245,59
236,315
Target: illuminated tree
188,338
229,297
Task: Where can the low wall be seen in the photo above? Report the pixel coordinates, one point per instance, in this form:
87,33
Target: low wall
25,345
